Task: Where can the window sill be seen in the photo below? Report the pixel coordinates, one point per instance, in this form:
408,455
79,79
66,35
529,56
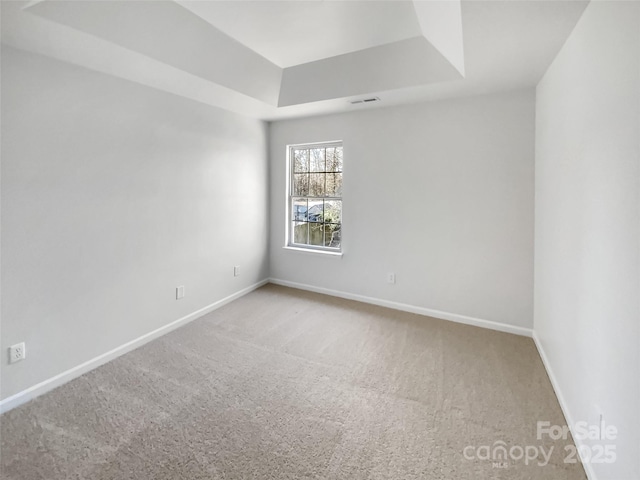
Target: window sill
314,252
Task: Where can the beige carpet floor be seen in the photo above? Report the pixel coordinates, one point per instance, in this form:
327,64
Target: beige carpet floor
285,384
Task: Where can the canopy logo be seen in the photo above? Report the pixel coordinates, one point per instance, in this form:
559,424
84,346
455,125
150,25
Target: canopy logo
500,454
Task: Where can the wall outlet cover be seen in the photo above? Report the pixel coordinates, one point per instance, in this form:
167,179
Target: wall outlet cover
17,352
179,292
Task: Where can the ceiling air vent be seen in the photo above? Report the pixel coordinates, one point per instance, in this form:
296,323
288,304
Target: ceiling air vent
365,100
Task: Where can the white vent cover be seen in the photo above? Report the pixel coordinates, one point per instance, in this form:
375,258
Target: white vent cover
365,100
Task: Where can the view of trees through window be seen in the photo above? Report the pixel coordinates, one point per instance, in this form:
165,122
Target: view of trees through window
316,195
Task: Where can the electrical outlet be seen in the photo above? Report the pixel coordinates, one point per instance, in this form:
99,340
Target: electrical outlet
179,292
391,278
596,419
601,427
17,352
236,270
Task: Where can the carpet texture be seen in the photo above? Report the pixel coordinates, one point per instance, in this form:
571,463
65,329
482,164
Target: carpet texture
285,384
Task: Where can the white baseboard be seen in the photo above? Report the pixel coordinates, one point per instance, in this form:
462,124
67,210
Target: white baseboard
588,468
62,378
454,317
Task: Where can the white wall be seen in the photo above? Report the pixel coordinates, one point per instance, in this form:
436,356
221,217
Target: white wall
440,193
112,195
587,233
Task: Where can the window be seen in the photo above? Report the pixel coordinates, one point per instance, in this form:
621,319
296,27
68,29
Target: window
315,196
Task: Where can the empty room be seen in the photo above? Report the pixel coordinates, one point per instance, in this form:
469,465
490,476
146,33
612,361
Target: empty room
320,239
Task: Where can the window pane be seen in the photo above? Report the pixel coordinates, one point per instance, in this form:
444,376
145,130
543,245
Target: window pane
333,211
316,184
316,211
316,234
301,160
299,210
333,185
317,160
329,158
300,232
332,235
301,184
334,159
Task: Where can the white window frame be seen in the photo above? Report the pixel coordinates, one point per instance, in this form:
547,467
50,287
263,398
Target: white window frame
289,243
